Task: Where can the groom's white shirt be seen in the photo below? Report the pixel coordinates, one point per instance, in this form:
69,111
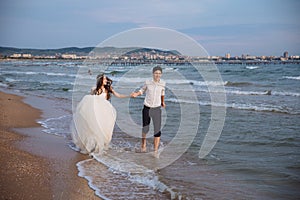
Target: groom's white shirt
154,91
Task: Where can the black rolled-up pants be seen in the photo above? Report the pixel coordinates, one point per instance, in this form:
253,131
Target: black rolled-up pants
155,115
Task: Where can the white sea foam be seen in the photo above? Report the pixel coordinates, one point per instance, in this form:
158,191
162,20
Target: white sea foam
261,108
171,81
82,173
122,172
241,106
38,73
252,67
170,69
45,81
266,92
292,77
194,82
56,126
295,94
3,85
242,92
10,80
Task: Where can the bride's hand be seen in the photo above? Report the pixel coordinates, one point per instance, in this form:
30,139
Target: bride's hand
133,94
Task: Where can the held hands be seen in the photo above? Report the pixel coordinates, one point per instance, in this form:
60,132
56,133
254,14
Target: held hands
134,94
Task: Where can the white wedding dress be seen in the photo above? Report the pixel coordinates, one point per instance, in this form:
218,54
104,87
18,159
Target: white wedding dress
93,124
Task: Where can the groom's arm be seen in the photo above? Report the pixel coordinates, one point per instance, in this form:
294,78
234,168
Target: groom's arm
163,101
135,94
140,92
162,97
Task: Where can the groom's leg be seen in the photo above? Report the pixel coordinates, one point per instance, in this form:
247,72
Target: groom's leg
156,143
156,116
143,145
146,123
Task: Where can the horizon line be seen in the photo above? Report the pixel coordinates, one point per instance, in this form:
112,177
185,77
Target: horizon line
57,48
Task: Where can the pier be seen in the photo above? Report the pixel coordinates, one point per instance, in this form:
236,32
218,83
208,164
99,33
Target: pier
207,62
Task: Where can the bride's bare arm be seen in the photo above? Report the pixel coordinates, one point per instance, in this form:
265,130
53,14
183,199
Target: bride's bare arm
120,95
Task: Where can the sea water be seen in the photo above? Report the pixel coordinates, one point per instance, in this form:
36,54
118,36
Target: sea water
256,156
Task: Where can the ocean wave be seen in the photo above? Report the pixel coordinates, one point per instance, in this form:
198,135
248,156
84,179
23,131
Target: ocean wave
240,106
23,63
140,69
295,94
229,83
60,83
56,126
196,83
262,108
171,84
241,92
11,80
170,69
169,81
292,77
252,67
115,72
266,92
129,177
3,85
237,92
37,73
124,80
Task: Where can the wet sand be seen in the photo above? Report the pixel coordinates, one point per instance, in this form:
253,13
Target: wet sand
35,165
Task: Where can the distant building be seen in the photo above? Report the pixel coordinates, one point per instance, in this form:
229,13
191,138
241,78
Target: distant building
69,56
26,55
295,57
283,59
16,55
248,57
227,55
215,58
286,54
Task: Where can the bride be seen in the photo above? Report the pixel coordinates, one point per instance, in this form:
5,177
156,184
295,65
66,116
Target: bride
94,118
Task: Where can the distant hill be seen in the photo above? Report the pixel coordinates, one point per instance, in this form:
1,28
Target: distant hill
153,51
7,51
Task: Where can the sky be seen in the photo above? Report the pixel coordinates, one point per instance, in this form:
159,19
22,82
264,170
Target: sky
253,27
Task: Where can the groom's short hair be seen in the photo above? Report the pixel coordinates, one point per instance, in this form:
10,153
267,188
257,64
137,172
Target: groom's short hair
157,68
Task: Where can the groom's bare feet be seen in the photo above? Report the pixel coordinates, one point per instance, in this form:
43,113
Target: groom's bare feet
144,142
143,149
155,154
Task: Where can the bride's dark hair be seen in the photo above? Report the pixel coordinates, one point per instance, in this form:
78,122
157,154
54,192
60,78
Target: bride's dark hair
99,83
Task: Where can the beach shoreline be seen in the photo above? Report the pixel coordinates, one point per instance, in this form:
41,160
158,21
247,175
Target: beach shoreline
35,165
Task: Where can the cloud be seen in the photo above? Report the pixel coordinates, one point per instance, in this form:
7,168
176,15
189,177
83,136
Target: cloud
72,22
248,38
146,13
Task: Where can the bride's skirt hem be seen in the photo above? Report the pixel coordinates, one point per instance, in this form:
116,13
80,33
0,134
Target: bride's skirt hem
92,124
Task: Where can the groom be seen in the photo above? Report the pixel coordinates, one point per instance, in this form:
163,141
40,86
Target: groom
154,100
